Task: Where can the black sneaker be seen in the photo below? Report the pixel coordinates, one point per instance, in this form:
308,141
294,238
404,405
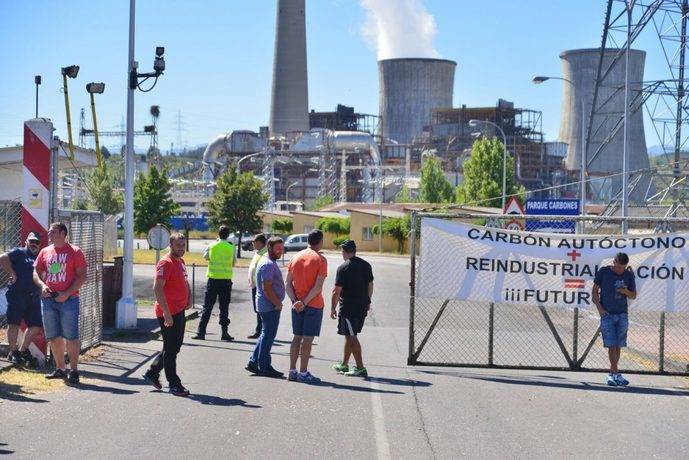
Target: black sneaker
56,374
273,374
15,358
254,336
198,336
225,337
30,362
253,368
153,380
179,391
73,378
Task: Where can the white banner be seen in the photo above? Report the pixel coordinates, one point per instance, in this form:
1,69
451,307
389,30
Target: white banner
466,262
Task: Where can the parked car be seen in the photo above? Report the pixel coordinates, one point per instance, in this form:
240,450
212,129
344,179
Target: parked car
234,238
297,242
248,244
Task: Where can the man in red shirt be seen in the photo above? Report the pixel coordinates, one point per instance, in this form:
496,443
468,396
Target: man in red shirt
59,271
171,289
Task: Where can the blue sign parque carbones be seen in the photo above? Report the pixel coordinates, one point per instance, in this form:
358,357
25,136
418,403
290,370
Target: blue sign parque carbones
561,207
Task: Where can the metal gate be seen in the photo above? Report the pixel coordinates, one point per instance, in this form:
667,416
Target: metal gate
10,233
449,332
86,231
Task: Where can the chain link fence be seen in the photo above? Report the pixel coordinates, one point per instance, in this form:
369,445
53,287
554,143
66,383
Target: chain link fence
86,232
450,332
10,233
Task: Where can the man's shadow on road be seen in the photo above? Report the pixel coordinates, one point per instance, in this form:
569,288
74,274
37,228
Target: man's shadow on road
211,400
4,451
16,393
546,382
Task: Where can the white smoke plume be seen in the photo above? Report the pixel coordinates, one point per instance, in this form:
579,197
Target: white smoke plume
399,28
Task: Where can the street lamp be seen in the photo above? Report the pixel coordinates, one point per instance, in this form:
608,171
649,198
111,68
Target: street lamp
287,192
474,123
537,80
68,72
95,88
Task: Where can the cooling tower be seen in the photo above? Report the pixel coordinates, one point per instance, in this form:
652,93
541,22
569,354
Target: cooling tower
580,67
290,100
408,90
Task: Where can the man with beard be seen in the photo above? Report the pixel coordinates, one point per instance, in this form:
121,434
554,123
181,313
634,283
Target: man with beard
23,300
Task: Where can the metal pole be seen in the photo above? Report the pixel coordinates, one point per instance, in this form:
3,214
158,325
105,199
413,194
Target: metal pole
126,306
412,287
36,100
491,329
626,117
504,168
193,285
69,118
380,209
582,198
95,129
661,350
575,338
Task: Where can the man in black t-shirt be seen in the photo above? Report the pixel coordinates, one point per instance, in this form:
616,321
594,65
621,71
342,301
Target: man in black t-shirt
23,300
353,291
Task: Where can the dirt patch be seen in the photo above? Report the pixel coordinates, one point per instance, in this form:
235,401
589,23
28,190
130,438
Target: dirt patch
16,384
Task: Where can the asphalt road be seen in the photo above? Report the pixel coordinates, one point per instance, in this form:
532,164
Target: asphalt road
399,412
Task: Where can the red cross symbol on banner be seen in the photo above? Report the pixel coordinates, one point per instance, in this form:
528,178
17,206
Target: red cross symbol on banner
574,254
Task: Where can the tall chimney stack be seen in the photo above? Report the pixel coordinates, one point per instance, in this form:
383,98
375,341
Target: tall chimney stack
289,108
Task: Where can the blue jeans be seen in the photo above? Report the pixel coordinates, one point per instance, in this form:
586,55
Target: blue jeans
613,328
261,356
60,319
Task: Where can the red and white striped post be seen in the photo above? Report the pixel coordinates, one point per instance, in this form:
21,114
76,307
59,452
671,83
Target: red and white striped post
36,192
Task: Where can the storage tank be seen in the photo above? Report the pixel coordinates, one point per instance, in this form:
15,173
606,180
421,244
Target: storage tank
408,89
580,67
290,100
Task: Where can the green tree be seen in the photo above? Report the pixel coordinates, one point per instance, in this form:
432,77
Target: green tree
153,203
236,202
404,195
320,202
338,226
483,175
434,188
282,226
100,184
397,228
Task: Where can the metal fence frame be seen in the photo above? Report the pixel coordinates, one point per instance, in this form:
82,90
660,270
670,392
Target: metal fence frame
574,360
10,234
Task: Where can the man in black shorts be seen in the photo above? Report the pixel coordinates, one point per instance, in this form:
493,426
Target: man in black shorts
353,291
23,300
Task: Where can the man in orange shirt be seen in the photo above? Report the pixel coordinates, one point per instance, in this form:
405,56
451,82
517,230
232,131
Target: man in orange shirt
171,289
306,272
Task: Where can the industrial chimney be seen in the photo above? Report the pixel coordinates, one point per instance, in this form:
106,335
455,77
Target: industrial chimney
580,67
408,89
290,100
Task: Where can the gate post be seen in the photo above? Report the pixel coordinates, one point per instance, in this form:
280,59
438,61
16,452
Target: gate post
491,324
412,287
575,339
661,347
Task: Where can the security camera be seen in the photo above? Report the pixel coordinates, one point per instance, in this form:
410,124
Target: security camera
37,79
159,65
160,50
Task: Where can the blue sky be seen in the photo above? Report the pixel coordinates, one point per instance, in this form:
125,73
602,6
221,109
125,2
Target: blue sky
219,59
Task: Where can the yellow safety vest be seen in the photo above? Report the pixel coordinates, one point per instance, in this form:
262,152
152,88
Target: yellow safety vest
220,260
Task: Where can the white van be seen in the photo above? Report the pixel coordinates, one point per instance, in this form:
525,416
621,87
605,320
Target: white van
297,242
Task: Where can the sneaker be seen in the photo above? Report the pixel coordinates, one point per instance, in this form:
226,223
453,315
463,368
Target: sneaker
307,377
153,380
30,361
293,375
252,367
272,373
341,368
357,372
611,381
179,391
225,337
56,374
15,358
73,378
621,381
254,335
198,336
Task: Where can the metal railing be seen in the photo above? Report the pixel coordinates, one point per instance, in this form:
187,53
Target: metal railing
10,230
450,332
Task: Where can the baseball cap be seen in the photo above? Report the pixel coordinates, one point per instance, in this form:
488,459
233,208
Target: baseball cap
33,236
349,246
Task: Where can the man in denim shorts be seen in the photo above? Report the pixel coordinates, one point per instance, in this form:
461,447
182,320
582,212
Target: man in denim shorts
59,271
612,286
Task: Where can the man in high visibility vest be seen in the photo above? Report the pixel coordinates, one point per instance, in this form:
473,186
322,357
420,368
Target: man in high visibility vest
220,256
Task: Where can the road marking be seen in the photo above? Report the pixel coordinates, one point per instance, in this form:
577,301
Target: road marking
382,444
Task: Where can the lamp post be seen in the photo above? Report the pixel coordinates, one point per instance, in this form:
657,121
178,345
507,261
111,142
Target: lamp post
37,82
71,71
95,88
474,123
246,157
582,176
287,192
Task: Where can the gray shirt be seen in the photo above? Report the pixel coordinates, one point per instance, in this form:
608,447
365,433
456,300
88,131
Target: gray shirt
268,270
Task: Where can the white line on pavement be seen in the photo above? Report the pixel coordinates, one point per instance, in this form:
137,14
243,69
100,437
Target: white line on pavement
382,444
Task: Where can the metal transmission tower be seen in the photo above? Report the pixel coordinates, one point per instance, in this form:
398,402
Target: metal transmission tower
663,22
269,177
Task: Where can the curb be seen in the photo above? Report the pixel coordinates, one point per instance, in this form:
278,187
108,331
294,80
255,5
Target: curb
119,334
